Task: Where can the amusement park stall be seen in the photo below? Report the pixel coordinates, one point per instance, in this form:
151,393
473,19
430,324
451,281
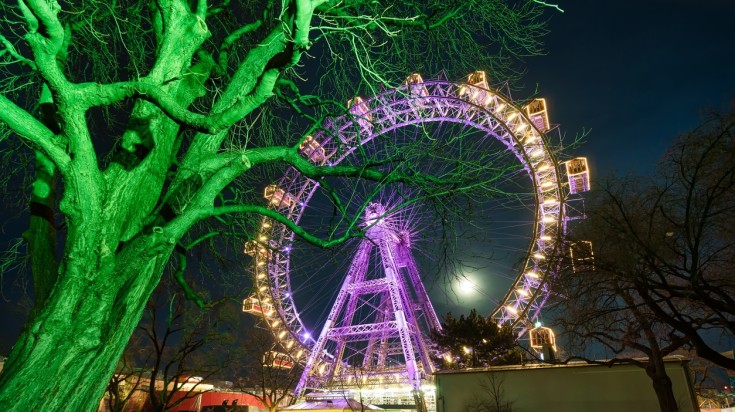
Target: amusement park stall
576,386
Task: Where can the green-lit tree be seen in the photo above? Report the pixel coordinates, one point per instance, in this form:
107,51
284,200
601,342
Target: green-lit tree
151,126
475,341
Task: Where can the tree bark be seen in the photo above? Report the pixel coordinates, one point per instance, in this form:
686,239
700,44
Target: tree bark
662,385
76,341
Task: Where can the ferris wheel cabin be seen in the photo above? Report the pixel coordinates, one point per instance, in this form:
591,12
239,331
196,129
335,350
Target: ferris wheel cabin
578,174
252,305
360,111
313,151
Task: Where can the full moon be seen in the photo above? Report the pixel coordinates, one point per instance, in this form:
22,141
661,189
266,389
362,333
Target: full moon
466,286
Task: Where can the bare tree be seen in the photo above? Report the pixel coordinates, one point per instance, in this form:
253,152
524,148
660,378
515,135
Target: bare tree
600,311
676,230
186,348
491,396
265,371
157,120
663,252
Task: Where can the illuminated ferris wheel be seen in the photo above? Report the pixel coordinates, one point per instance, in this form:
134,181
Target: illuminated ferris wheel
355,297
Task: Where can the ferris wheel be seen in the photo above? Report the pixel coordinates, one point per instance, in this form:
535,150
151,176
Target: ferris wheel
460,123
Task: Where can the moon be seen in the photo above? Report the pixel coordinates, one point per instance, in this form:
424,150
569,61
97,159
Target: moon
466,286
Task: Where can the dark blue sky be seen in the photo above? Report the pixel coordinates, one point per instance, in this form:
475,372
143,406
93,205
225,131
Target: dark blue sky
636,73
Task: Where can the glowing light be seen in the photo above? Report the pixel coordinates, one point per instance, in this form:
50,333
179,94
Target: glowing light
547,184
532,275
545,237
282,334
500,107
511,309
539,256
542,168
521,127
466,286
466,349
550,201
537,153
522,292
262,238
512,116
537,324
549,219
276,323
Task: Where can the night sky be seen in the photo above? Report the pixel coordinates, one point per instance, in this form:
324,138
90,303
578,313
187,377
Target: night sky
634,73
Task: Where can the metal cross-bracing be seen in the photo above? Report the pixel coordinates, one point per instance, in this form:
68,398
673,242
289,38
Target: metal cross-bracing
373,326
398,309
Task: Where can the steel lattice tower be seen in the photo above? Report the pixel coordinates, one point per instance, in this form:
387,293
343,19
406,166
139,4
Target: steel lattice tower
377,332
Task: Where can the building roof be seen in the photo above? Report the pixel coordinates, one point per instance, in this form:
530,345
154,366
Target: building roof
532,366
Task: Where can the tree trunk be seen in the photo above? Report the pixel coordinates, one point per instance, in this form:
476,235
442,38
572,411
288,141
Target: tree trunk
662,385
76,341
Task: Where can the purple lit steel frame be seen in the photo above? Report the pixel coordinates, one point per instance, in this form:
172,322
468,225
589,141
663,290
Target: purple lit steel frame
402,316
429,101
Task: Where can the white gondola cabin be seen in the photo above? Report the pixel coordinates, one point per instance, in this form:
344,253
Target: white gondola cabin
536,111
542,337
578,175
360,111
416,85
477,89
279,198
582,256
312,150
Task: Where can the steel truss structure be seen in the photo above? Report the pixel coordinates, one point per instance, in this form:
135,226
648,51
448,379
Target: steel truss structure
392,347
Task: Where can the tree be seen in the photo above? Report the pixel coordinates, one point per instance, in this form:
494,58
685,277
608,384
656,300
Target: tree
601,310
676,230
187,343
475,341
663,249
153,125
491,395
265,372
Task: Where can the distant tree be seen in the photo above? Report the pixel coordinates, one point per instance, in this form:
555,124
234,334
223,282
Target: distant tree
187,344
476,341
664,248
264,370
491,395
124,384
670,239
599,311
146,122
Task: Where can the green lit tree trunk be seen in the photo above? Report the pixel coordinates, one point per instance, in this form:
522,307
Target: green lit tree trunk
76,342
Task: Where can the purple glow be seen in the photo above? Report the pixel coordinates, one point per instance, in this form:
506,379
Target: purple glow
352,335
